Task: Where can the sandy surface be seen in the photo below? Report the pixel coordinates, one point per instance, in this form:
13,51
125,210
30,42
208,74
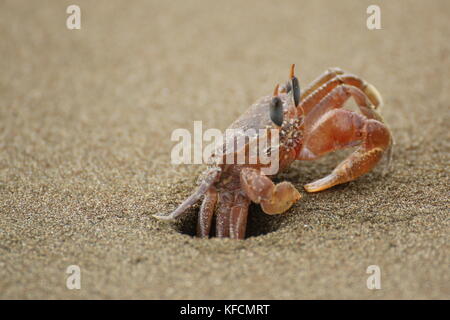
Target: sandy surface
85,124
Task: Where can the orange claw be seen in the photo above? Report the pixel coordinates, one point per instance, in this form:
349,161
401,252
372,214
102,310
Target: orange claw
274,198
292,71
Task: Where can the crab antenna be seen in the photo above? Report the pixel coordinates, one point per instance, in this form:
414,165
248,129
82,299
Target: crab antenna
275,92
292,71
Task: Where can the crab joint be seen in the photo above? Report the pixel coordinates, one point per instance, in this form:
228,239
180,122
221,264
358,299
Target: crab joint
276,108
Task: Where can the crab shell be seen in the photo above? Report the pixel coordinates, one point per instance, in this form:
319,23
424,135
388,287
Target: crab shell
257,125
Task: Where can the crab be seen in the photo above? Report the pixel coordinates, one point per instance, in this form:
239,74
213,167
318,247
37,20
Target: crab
310,124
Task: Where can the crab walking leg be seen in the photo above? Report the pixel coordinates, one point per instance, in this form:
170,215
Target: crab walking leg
310,101
274,199
341,128
226,200
206,213
193,198
323,78
336,99
238,216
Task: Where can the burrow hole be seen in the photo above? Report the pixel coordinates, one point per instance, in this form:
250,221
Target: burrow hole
258,223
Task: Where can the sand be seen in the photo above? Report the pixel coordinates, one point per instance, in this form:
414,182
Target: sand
85,123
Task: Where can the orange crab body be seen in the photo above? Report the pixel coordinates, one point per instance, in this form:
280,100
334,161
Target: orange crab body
308,125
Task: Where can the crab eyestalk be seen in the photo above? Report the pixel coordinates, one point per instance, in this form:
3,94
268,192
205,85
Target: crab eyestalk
295,87
276,108
287,87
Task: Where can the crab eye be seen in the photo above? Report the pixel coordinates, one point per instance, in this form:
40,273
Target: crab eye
288,87
295,87
296,91
276,111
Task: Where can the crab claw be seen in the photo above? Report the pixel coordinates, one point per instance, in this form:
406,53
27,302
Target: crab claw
295,87
276,108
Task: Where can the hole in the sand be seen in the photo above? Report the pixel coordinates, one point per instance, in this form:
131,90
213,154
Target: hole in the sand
258,223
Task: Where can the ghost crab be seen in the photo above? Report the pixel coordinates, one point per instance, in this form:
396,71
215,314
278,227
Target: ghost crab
310,124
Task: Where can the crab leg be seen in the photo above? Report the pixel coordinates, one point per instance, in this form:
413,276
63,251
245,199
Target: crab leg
341,128
206,213
238,216
274,199
193,198
314,97
226,200
324,77
336,99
